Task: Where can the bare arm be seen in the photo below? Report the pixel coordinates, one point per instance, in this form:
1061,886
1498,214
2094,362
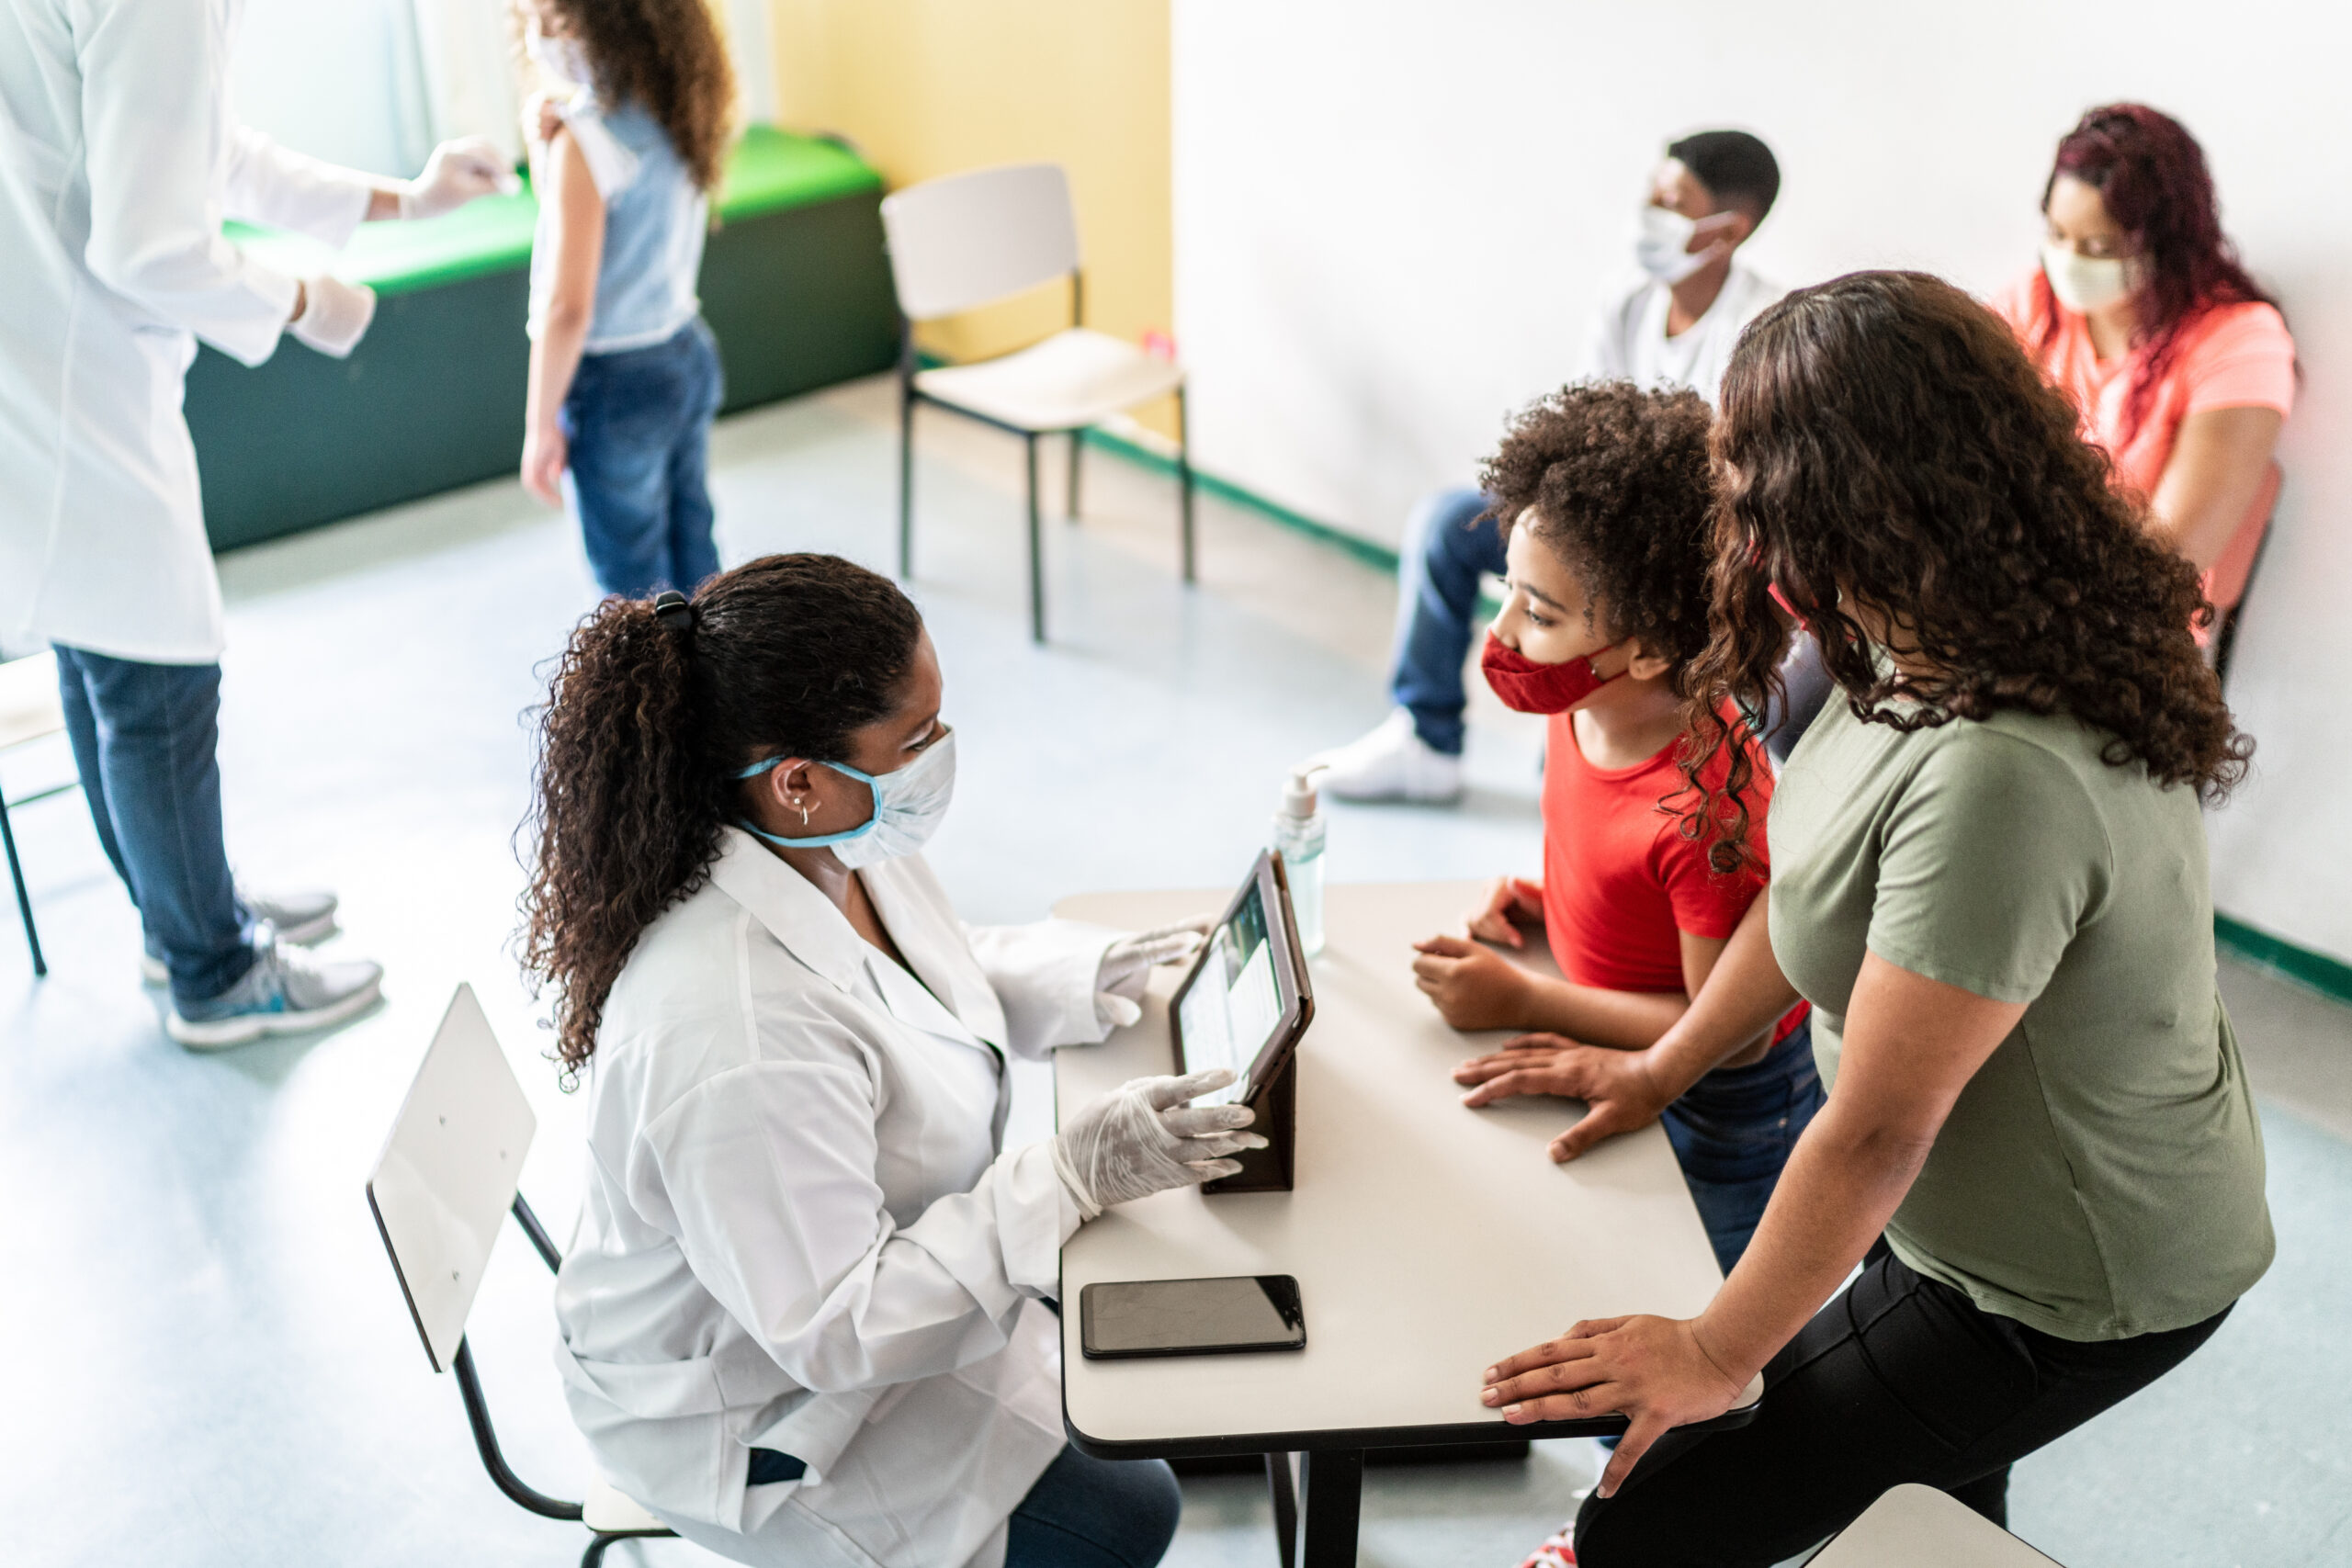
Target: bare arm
1911,1046
2209,482
577,232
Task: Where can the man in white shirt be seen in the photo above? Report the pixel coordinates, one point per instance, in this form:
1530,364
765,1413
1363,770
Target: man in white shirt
118,159
1676,328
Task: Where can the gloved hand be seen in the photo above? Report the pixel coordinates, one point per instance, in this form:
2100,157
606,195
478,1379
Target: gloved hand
457,171
1127,964
334,315
1141,1138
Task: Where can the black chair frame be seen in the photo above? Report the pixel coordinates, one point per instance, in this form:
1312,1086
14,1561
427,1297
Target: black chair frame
910,395
16,870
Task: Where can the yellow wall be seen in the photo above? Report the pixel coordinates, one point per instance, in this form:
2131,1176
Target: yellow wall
928,87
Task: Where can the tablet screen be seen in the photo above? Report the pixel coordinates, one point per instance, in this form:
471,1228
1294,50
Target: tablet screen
1233,1006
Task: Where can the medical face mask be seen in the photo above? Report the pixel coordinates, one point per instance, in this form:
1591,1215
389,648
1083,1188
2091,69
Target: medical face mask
907,805
2081,283
561,58
1659,247
1529,687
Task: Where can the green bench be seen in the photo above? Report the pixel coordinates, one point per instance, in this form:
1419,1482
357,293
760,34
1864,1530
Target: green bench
795,286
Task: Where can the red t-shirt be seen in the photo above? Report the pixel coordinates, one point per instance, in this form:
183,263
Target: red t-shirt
1620,880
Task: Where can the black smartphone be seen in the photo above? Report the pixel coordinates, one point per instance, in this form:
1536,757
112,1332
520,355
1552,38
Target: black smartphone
1189,1317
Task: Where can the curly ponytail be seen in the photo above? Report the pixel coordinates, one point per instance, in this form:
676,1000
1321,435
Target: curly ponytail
646,721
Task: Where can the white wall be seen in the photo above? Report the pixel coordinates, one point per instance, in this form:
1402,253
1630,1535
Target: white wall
1392,221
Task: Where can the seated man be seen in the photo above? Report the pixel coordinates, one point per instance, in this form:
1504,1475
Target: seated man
1676,329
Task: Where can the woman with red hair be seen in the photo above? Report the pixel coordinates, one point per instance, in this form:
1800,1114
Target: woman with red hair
2141,313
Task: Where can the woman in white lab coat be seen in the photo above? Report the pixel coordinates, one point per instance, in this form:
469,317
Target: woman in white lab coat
804,1319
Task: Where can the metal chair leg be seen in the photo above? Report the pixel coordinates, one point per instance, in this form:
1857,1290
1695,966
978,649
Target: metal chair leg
1036,552
1077,446
906,480
595,1552
1184,480
24,899
1285,1500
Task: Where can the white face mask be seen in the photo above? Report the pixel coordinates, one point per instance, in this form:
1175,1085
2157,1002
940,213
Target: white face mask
561,58
2082,283
908,805
1661,247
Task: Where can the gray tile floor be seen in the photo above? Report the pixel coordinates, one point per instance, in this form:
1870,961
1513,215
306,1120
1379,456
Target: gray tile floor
213,1363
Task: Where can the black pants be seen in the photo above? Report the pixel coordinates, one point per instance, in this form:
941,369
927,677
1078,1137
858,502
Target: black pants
1900,1378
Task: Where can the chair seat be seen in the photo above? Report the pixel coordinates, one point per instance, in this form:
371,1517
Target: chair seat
29,707
610,1511
1073,380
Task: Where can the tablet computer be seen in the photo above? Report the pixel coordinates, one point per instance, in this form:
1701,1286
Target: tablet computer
1247,1000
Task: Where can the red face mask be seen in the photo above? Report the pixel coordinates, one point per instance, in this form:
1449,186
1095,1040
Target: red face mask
1530,687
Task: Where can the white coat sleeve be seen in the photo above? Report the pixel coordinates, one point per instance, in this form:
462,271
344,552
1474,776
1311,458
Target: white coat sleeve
1045,975
291,190
767,1175
152,76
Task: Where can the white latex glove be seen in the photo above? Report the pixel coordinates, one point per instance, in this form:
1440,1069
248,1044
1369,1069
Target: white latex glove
1141,1138
457,171
1127,964
334,315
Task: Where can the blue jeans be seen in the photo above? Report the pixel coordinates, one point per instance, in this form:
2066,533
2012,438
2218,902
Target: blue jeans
1095,1513
638,427
144,739
1732,1131
1446,550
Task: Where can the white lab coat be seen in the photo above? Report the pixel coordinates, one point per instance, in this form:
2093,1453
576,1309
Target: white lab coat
118,159
799,1232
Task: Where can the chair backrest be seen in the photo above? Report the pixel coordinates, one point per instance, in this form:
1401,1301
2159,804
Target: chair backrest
448,1173
965,240
1918,1526
29,706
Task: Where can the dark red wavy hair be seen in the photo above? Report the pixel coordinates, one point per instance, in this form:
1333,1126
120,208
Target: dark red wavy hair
2151,173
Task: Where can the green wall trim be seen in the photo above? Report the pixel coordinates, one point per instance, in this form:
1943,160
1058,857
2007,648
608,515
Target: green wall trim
2326,976
1363,549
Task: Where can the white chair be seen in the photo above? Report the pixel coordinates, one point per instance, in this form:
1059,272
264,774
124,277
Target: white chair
30,710
969,240
445,1180
1918,1526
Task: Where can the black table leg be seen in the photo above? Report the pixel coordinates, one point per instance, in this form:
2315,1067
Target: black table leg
1330,1486
1285,1501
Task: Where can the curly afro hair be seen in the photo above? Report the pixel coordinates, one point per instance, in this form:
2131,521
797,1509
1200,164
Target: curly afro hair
1622,491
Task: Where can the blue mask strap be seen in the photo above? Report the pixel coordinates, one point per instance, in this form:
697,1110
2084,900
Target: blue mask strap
823,839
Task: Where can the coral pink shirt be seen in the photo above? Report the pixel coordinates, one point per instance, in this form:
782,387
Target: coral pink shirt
2233,357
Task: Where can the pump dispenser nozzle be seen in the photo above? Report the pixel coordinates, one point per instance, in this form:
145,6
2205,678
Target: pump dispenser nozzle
1298,793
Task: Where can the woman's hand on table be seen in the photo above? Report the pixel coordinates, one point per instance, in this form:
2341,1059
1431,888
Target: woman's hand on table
1513,904
1653,1371
1618,1089
1474,986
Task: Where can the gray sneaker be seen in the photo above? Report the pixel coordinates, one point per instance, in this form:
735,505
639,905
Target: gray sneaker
287,992
301,915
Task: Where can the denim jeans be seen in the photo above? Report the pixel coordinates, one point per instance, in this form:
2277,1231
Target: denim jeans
1446,550
638,427
144,739
1732,1131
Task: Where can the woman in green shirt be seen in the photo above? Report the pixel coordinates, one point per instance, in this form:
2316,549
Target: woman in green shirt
1989,879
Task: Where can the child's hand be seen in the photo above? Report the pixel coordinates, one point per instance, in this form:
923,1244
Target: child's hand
1619,1094
1474,986
544,453
1511,903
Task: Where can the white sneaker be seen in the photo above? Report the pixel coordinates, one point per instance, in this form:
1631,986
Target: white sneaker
1392,763
287,992
303,915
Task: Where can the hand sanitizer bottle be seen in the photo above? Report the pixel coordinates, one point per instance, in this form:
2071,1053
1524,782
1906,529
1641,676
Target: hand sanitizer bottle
1298,834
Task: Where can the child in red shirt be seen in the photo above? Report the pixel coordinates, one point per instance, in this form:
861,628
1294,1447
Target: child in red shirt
1605,493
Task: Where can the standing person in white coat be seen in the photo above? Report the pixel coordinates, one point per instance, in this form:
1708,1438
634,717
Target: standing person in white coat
118,159
805,1319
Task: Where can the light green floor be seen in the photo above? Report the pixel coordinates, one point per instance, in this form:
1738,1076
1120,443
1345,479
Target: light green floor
213,1364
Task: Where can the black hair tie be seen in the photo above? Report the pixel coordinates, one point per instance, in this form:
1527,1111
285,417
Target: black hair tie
671,608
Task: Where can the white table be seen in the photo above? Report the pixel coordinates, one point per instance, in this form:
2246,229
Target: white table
1918,1526
1429,1241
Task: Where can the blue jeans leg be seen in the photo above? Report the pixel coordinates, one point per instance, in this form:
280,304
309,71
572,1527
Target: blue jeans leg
1094,1513
1446,550
145,741
1732,1131
636,421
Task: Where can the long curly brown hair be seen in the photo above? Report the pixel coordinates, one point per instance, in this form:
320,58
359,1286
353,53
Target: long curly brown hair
1882,440
645,726
669,58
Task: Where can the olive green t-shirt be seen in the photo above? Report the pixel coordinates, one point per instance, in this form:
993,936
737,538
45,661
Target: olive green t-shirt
2101,1175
